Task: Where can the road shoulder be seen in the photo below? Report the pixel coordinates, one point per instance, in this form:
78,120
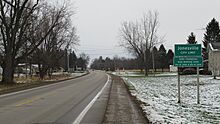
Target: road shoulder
96,113
122,107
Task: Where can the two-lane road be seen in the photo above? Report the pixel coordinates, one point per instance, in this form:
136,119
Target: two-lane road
59,103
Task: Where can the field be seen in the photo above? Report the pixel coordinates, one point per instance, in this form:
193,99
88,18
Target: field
159,97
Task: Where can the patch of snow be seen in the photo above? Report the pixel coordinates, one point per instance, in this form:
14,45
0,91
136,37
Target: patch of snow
138,74
160,97
127,73
76,74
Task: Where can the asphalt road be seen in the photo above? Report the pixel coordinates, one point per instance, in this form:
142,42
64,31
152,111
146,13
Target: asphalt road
59,103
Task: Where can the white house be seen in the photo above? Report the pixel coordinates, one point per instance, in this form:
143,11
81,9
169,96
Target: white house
214,58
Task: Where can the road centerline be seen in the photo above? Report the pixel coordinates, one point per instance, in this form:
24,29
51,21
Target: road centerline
27,101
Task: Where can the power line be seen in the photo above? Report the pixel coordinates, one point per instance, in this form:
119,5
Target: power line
95,49
108,53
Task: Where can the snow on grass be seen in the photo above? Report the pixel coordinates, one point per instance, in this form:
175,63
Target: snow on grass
141,74
77,74
128,73
160,97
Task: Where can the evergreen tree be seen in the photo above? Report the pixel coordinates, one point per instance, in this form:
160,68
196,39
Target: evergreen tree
191,39
211,35
162,56
170,56
156,58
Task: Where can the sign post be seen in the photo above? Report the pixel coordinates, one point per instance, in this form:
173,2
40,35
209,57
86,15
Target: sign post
188,55
178,86
198,99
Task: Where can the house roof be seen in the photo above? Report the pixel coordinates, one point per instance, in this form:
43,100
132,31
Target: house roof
216,45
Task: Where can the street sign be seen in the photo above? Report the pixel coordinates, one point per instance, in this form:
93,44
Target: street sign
188,55
182,50
188,61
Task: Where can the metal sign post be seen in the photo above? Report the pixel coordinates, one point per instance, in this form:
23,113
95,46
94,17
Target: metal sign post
198,99
178,86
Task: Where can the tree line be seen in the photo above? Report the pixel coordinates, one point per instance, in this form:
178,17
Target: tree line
70,62
34,31
162,60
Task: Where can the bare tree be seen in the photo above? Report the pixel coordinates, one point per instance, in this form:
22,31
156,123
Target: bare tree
61,38
139,38
132,39
17,17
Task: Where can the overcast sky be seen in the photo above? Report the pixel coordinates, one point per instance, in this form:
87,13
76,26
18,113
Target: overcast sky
98,21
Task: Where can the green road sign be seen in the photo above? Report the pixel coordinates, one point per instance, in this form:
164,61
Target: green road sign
188,61
185,50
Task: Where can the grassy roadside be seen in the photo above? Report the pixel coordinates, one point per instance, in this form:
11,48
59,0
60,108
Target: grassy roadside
28,83
129,85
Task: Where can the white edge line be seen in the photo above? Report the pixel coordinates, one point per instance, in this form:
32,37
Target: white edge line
40,87
23,91
86,109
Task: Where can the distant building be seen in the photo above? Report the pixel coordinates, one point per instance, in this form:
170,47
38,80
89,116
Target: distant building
173,68
214,58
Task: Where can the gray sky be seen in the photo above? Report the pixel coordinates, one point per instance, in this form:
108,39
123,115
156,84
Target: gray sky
98,21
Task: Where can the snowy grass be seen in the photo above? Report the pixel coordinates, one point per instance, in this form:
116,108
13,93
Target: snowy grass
141,74
160,97
129,74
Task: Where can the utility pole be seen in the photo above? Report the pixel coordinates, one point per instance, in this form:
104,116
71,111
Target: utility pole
26,61
153,61
145,62
67,61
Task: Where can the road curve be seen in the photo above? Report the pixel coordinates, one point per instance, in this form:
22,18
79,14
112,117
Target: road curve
59,103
